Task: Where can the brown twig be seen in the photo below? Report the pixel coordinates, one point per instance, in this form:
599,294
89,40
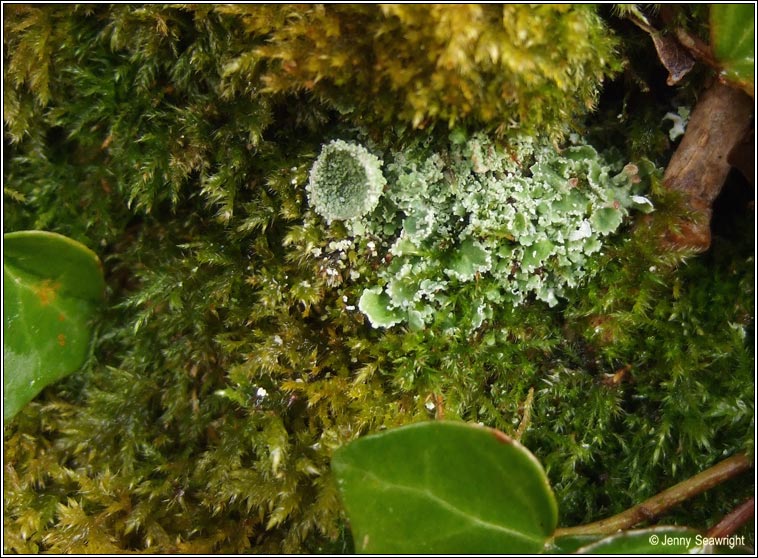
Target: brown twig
698,48
699,166
662,502
734,520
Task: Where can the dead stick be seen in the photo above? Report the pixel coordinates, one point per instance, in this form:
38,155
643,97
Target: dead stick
699,167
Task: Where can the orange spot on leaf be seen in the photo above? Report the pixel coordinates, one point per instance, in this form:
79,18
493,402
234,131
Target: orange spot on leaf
61,340
46,291
61,318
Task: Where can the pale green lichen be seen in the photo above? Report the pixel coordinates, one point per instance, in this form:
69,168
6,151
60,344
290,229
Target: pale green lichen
346,181
526,218
376,305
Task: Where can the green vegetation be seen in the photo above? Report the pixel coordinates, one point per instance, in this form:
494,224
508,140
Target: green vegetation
534,68
450,488
52,289
525,219
232,357
733,39
444,487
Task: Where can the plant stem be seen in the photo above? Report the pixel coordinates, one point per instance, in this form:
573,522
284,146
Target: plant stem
734,520
658,504
526,417
698,48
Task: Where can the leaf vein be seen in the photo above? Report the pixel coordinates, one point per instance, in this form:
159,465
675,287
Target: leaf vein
429,495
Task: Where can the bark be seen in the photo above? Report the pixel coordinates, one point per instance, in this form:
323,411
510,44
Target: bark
700,165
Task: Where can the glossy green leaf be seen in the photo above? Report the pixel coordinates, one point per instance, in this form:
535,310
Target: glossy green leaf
656,540
570,543
444,487
733,42
52,287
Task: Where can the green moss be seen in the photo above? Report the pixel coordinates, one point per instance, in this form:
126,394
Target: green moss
232,357
533,67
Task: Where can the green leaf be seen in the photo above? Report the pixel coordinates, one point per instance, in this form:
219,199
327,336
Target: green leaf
656,540
53,285
570,543
444,487
733,42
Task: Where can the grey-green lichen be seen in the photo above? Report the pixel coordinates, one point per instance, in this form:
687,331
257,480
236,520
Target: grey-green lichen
519,220
346,181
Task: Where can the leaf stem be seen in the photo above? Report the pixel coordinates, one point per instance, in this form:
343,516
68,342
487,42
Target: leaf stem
658,504
734,519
